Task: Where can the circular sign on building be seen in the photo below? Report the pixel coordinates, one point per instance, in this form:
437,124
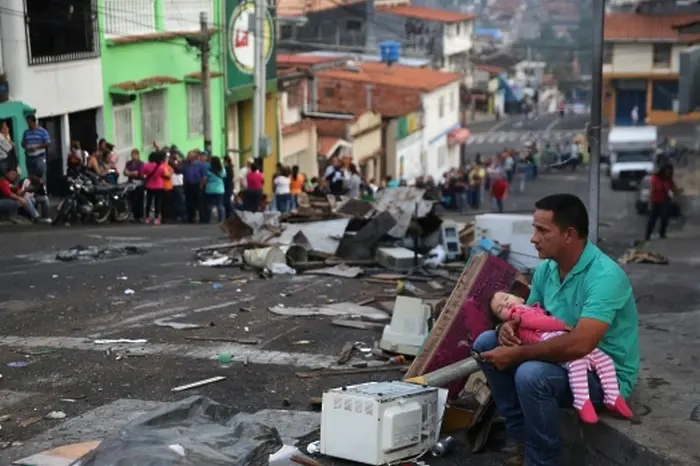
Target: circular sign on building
241,37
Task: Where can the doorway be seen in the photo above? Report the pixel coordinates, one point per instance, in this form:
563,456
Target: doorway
54,156
83,128
630,93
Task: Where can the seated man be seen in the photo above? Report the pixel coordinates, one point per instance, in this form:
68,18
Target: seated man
13,198
582,286
35,191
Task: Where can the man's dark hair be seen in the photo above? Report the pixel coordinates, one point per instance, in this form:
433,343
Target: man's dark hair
568,211
31,118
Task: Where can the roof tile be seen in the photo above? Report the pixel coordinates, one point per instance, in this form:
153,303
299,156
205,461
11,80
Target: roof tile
427,14
406,77
636,26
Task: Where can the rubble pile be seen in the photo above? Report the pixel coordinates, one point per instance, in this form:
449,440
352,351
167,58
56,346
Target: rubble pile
399,230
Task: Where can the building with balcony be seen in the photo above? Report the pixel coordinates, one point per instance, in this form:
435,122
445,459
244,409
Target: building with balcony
152,84
641,65
51,61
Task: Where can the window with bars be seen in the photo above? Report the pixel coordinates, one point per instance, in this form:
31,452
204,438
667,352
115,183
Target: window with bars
182,15
195,122
61,31
662,55
153,122
122,116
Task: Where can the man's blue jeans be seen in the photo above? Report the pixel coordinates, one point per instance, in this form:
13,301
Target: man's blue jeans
529,397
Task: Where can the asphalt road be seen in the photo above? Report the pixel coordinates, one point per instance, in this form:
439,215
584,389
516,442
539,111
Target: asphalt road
53,311
515,131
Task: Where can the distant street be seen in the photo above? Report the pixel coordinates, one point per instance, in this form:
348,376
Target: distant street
515,131
490,138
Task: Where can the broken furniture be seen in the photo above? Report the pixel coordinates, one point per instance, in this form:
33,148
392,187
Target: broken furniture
408,328
462,319
389,421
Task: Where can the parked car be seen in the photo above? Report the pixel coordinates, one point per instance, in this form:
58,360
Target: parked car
642,199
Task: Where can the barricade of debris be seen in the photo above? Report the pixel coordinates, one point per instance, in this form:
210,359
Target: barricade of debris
399,230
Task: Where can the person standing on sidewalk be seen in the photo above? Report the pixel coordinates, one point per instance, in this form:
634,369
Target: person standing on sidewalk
193,172
661,194
582,286
36,142
133,170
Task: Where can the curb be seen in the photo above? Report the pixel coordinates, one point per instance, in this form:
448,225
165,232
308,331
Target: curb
603,445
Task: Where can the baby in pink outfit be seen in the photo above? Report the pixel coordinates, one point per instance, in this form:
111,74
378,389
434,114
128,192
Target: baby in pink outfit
537,325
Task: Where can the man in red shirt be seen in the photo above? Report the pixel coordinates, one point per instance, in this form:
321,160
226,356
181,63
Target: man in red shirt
661,194
499,191
12,198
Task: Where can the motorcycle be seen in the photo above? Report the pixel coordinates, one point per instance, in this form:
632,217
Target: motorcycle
92,200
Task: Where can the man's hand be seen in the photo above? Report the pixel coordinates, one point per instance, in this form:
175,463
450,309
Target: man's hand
22,202
506,333
502,357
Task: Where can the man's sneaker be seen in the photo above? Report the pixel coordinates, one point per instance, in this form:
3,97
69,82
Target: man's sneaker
518,458
45,221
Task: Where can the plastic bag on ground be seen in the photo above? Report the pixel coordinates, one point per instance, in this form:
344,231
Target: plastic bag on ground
436,257
196,431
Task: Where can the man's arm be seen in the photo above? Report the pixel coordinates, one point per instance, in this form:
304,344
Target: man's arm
604,296
541,322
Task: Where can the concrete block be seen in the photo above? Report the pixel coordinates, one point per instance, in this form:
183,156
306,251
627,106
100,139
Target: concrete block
397,258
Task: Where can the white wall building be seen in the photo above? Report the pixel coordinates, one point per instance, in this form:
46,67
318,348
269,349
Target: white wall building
409,156
52,62
458,39
440,120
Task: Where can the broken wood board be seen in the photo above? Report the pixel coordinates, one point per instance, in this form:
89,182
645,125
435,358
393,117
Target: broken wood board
241,341
345,353
340,270
366,301
483,275
345,309
360,370
356,324
65,455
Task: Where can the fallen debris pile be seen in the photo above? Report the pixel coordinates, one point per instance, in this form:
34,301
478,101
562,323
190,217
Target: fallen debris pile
636,256
92,253
400,230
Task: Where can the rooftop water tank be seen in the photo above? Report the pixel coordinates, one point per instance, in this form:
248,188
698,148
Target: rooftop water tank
390,51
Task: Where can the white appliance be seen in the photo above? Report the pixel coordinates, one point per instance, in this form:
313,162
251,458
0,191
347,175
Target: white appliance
379,422
408,328
510,229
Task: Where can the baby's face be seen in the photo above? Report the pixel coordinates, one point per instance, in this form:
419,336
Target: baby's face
503,302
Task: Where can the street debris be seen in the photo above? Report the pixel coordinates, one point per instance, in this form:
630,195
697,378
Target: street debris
636,256
120,341
17,364
346,310
168,322
56,415
92,253
201,383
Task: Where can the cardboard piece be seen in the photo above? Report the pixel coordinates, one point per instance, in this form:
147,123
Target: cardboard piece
462,320
60,456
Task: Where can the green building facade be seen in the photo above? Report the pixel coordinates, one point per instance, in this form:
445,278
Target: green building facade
151,75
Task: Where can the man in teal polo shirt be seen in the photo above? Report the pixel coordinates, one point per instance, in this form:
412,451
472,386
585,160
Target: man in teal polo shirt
585,288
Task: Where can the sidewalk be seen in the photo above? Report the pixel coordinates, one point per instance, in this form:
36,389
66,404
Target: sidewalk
667,398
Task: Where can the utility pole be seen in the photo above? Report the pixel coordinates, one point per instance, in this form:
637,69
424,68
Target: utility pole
260,78
204,49
594,129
